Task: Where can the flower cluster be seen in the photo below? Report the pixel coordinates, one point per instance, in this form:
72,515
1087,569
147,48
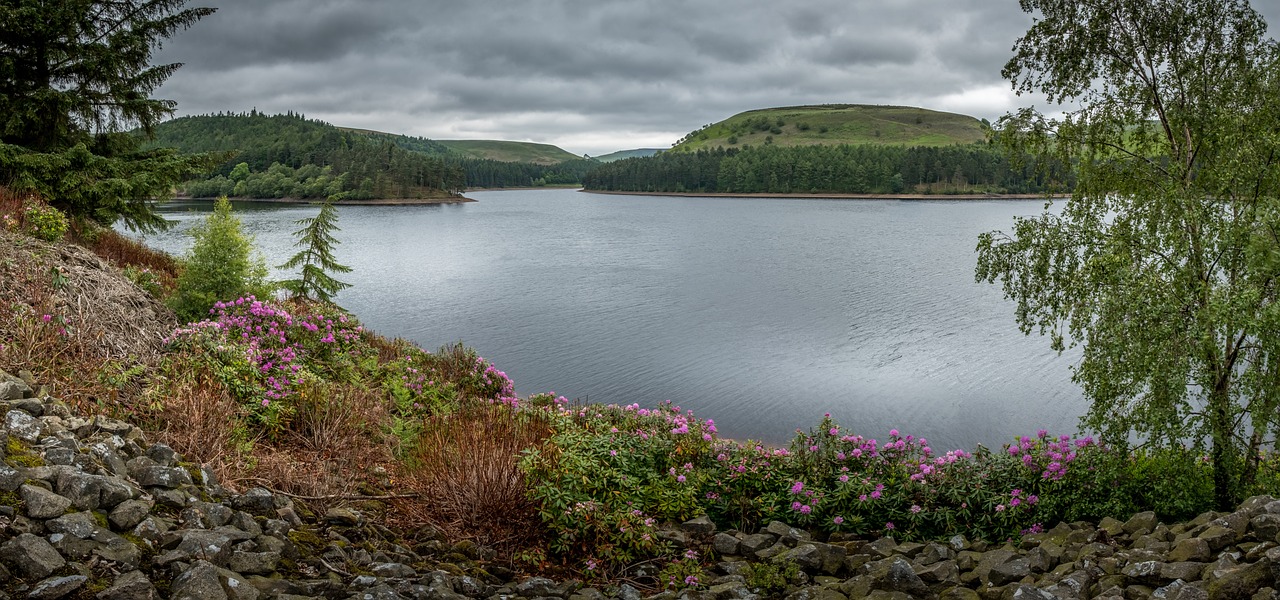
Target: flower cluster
1048,455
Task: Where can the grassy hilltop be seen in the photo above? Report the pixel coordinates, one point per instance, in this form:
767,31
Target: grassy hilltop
832,124
504,151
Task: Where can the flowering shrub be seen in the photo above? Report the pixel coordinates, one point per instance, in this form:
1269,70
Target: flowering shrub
42,221
144,278
261,351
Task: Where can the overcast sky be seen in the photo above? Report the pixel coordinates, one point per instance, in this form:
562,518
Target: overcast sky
591,76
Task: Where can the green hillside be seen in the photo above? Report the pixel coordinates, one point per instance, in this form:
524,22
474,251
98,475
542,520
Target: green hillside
524,152
831,124
623,154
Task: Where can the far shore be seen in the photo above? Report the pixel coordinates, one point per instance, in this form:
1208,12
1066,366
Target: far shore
370,202
841,196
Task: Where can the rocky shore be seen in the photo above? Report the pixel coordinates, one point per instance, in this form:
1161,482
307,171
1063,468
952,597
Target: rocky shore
90,509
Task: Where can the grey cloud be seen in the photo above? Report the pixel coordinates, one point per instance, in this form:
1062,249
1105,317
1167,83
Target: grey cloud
576,69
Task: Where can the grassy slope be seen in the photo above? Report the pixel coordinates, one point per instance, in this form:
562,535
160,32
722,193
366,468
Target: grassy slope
621,154
844,124
542,154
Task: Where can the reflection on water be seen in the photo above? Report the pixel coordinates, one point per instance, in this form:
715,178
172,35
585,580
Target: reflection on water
760,313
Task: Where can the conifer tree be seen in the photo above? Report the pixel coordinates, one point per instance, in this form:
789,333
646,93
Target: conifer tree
316,257
75,78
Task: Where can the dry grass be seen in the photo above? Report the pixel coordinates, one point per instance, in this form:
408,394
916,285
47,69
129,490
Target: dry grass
466,471
194,414
122,251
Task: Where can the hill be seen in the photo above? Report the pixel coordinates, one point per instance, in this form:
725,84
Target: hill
624,154
290,156
833,124
504,151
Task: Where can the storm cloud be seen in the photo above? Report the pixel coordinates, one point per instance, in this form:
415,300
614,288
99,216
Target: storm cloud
591,76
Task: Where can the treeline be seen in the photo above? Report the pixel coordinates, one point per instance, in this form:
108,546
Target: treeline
845,169
291,156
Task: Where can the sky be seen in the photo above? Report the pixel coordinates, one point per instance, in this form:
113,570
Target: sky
592,76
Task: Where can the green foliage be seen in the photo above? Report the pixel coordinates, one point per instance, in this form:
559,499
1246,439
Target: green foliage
316,257
1163,262
220,266
845,123
44,222
144,278
68,90
770,578
863,169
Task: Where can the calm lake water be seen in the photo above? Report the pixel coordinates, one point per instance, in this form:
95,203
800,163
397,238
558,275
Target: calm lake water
759,313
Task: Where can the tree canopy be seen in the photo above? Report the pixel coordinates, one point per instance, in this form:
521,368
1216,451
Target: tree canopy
1164,265
74,76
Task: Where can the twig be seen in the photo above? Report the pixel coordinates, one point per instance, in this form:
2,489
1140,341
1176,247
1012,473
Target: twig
329,497
334,569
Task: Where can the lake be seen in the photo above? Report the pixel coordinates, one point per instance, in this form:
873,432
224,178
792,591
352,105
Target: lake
760,313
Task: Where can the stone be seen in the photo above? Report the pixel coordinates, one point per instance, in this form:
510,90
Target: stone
1179,590
1009,572
1186,571
991,560
1190,549
57,587
1030,592
900,577
23,426
788,534
1266,526
808,556
190,544
132,585
78,524
88,492
725,544
959,593
158,476
12,478
757,542
129,513
699,525
14,390
163,455
32,556
256,501
1111,525
944,571
257,563
340,515
200,582
393,570
42,503
1240,582
1218,537
535,587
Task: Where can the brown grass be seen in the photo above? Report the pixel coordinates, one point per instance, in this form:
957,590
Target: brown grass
195,414
469,480
122,251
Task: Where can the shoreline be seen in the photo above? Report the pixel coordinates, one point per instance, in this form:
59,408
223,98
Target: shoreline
371,202
837,196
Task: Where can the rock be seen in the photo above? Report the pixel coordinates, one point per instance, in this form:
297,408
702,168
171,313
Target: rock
260,563
991,560
129,513
132,585
959,593
200,582
56,587
256,501
786,533
163,455
1030,592
1009,572
14,390
32,556
699,525
1141,522
88,492
393,570
725,544
536,587
1190,549
158,476
1179,590
23,426
42,503
1240,582
191,544
342,516
1218,537
757,542
1186,571
944,571
12,478
1266,526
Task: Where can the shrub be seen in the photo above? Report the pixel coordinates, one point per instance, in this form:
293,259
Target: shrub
43,221
466,468
220,266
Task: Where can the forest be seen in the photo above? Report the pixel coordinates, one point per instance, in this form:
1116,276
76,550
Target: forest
846,169
279,156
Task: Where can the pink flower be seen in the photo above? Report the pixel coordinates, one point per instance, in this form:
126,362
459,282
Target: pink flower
46,318
915,508
889,525
805,509
893,433
838,520
999,508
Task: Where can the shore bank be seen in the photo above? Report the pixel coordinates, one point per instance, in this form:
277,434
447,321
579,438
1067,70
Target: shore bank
839,196
371,202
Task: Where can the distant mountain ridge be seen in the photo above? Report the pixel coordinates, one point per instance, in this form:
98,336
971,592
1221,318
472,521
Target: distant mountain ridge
834,124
